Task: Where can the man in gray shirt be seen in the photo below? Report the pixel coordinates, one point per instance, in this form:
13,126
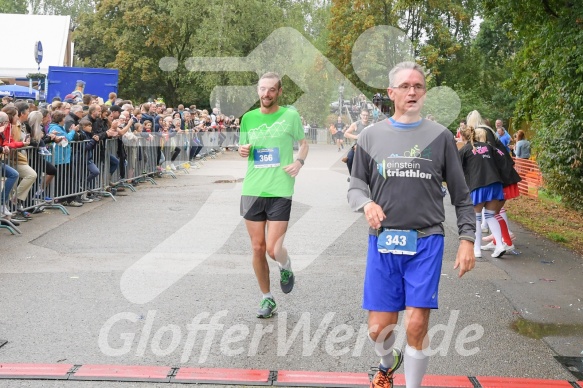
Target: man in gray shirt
397,175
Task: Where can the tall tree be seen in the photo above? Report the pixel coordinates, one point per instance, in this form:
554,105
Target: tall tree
72,8
13,6
547,74
437,29
136,36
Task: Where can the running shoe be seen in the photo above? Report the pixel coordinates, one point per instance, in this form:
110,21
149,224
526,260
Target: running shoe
44,151
85,199
499,251
266,308
384,377
489,247
478,254
286,280
5,211
18,217
40,196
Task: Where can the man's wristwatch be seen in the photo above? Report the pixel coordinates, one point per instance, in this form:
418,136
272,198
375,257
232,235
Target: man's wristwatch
301,161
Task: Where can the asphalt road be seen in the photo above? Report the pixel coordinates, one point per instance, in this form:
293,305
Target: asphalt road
163,277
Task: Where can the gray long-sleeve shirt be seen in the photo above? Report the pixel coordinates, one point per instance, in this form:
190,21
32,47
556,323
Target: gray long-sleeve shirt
402,170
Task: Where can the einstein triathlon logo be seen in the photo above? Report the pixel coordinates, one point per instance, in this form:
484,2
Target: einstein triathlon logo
407,165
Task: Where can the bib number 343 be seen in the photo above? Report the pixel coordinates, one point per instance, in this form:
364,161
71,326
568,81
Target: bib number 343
401,242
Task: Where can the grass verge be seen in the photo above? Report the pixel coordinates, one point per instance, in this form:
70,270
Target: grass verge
547,217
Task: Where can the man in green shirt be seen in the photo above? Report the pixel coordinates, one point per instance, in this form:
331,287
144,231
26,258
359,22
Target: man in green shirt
266,140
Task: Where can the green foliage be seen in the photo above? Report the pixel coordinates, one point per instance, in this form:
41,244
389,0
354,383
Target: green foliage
72,8
13,6
547,74
439,30
134,37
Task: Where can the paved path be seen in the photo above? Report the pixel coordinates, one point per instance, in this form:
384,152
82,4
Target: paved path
162,277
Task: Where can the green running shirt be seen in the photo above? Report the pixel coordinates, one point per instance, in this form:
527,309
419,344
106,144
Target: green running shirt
271,137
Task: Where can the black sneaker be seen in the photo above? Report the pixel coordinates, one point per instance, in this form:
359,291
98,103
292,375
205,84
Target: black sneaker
266,308
286,280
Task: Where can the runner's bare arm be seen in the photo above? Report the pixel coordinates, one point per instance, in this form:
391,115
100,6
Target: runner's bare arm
349,131
294,168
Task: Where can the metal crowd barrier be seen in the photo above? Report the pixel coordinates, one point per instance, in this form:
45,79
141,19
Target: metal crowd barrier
165,154
8,160
117,155
85,167
41,195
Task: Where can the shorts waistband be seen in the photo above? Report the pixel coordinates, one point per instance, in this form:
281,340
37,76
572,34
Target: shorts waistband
423,232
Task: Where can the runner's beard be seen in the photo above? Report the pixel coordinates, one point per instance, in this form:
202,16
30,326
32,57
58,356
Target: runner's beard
269,104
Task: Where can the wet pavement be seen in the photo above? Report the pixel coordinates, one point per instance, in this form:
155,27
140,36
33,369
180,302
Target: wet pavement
163,277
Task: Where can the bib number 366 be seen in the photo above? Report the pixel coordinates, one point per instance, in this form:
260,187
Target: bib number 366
266,157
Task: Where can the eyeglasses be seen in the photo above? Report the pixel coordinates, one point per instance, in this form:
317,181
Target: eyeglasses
406,87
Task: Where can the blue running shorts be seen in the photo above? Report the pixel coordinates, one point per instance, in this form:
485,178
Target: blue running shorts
393,282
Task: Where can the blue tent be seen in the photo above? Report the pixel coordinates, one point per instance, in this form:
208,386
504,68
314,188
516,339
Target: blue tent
17,91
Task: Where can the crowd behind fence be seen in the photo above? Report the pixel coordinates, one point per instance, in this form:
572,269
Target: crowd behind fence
83,172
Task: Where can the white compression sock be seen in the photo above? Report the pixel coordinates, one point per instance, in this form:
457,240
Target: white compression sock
493,225
415,366
286,264
385,350
478,233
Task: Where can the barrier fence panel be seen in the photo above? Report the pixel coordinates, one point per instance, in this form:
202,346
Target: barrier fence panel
36,195
69,160
532,179
181,149
8,177
118,165
98,165
231,139
165,155
150,161
194,148
210,143
135,171
39,195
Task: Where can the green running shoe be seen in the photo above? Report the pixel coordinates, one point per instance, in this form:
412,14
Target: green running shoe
266,308
287,280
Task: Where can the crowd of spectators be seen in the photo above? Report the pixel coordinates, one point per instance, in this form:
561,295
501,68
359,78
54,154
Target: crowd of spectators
35,142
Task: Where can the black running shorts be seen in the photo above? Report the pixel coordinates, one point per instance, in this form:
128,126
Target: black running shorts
265,208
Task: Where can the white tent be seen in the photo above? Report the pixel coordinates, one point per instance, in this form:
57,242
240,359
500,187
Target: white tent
21,34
